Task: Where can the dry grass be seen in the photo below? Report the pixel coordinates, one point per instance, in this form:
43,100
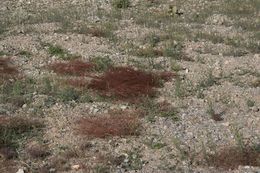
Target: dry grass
127,83
125,124
74,67
233,157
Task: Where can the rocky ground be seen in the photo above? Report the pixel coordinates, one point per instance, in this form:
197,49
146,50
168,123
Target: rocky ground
205,118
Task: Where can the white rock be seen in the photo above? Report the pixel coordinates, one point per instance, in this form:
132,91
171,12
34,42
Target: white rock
20,170
95,111
123,107
75,167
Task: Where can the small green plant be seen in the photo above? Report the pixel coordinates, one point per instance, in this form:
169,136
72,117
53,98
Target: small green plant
134,160
101,169
56,50
153,39
25,53
18,88
172,114
155,143
13,130
210,109
183,154
102,63
250,103
208,81
174,50
211,112
47,87
158,145
121,3
68,94
86,98
214,38
18,92
179,88
2,53
238,137
200,93
150,109
175,66
147,52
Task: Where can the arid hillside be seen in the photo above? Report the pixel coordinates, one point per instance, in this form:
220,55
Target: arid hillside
145,86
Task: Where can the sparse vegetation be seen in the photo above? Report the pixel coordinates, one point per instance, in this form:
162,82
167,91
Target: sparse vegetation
68,94
208,81
25,53
134,160
211,112
13,130
102,63
56,50
250,103
121,3
112,106
17,92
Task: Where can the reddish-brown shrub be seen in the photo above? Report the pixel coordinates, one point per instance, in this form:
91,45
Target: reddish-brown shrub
125,83
109,125
6,69
74,67
233,157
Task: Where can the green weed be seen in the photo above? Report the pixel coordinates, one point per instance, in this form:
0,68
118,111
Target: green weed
121,3
102,63
58,51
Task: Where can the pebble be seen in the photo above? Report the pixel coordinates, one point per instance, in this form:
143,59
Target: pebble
124,107
52,170
75,167
95,111
226,124
20,170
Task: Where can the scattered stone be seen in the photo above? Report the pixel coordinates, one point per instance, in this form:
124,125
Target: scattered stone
20,170
75,167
